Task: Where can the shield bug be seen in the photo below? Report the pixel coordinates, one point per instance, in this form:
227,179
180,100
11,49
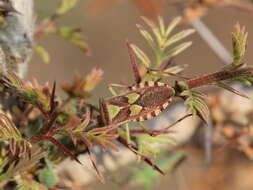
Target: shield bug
143,100
146,99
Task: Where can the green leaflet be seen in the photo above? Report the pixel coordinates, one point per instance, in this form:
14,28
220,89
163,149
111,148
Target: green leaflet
47,177
147,177
74,36
160,40
65,6
42,52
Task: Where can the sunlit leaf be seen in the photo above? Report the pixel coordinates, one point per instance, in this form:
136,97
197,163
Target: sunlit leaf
42,52
146,142
65,6
141,55
23,164
176,50
196,105
147,177
74,36
92,79
160,46
8,131
179,36
47,177
155,29
239,40
27,183
172,25
30,92
161,25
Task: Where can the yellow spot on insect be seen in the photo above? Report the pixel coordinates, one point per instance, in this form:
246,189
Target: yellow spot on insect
142,85
149,116
141,119
157,112
151,83
113,111
165,105
161,84
135,110
132,97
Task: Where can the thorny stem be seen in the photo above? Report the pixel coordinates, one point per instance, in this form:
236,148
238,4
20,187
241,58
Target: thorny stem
217,77
135,150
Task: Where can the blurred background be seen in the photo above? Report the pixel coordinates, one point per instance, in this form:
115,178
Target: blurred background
106,28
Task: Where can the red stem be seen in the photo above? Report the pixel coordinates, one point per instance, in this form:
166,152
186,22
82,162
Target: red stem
217,77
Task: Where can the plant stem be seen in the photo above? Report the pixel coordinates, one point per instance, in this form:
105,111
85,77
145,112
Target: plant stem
217,77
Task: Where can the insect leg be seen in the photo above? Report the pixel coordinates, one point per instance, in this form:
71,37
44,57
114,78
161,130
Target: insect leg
145,129
165,129
128,136
170,74
111,85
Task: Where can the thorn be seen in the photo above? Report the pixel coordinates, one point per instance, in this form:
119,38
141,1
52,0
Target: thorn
133,62
52,102
100,176
60,146
135,150
231,89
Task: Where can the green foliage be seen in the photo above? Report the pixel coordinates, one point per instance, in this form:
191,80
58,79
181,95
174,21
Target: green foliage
65,6
47,176
73,36
49,26
146,143
147,177
196,105
31,92
42,52
9,132
45,126
239,40
22,165
26,183
160,40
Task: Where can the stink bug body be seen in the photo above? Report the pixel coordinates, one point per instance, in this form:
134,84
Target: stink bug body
143,101
146,99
